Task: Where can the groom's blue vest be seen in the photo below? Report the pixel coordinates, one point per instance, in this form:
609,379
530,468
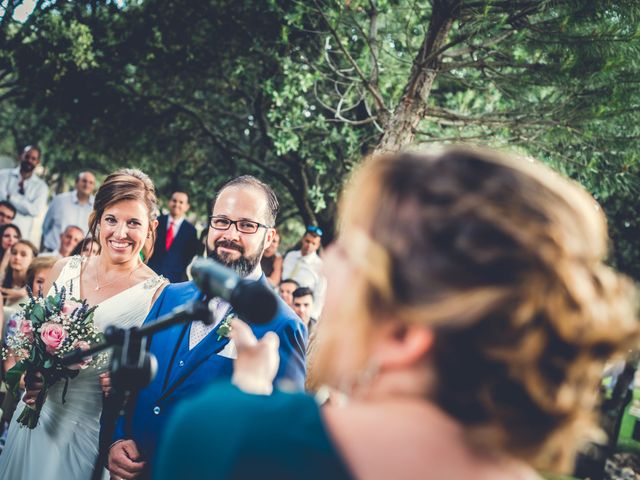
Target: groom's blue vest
183,372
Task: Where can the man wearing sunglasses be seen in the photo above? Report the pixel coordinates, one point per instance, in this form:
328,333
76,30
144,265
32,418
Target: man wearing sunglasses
192,356
26,191
305,267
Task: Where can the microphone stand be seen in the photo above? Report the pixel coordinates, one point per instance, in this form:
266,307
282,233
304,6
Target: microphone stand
132,368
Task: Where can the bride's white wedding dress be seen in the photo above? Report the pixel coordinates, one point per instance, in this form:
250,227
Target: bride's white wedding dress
64,444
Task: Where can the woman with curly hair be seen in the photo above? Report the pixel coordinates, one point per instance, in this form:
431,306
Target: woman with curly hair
468,318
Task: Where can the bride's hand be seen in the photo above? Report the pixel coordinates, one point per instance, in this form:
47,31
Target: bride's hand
34,385
257,362
105,383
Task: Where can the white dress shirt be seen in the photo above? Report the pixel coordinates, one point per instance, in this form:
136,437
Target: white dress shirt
65,209
28,205
307,271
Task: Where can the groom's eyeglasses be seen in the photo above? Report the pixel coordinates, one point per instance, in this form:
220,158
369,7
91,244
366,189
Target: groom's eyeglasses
243,226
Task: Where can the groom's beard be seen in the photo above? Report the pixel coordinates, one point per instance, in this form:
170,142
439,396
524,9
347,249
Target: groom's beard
243,265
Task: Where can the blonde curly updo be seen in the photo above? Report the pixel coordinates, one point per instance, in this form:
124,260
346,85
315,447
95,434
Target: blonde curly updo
503,258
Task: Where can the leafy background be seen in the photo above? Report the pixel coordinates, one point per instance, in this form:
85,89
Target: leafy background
297,92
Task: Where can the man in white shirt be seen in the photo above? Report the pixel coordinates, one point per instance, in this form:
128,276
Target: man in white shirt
25,190
305,267
69,208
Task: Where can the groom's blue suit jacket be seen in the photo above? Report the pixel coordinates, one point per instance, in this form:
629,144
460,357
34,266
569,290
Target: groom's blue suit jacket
183,372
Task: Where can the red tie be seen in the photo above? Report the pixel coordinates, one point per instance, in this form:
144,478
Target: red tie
170,234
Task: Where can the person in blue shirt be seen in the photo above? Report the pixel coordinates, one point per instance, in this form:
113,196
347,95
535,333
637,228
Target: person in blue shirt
69,208
192,356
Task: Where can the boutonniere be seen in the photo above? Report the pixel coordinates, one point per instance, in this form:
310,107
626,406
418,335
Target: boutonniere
224,329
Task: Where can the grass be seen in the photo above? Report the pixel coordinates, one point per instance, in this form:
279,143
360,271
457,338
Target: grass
625,442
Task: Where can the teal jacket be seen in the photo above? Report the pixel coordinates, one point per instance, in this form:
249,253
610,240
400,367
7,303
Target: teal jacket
228,434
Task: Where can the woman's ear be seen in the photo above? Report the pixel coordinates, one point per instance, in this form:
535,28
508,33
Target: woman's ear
400,346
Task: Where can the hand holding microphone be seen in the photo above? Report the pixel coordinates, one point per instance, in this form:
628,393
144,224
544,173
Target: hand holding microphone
257,363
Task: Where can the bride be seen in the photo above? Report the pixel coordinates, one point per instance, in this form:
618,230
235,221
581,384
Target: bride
64,444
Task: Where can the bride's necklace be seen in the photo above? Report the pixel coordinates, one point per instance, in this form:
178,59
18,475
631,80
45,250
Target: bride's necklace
98,286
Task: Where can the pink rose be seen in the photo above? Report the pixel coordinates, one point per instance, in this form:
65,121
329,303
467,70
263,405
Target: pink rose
82,345
52,335
26,329
69,306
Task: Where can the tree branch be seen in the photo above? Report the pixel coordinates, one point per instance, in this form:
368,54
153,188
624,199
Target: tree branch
370,38
367,83
470,48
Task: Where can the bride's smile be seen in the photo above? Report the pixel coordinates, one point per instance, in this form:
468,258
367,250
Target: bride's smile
120,245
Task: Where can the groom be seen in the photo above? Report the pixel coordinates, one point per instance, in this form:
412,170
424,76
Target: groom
192,356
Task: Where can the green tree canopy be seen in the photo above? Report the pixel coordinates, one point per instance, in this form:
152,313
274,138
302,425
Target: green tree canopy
297,92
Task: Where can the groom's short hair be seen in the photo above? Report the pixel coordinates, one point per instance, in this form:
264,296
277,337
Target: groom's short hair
253,182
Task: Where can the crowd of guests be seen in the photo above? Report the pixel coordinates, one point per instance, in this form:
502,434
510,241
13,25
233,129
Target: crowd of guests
23,197
457,327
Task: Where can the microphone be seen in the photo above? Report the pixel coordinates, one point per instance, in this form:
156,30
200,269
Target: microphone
253,301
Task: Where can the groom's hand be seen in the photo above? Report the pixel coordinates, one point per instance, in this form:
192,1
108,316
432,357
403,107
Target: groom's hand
124,460
105,383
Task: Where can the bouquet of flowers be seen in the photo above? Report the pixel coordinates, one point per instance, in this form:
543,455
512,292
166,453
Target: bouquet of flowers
49,327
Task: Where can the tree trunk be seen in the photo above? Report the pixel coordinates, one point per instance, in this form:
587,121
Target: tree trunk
301,194
400,128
